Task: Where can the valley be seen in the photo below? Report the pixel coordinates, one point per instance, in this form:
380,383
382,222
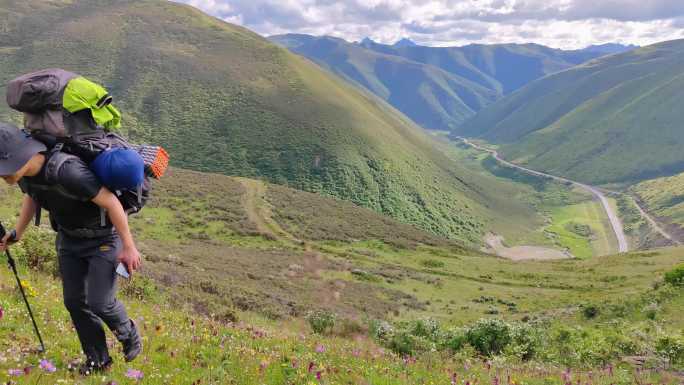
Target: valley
615,223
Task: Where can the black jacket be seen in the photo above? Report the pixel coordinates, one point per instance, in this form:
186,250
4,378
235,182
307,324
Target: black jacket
69,197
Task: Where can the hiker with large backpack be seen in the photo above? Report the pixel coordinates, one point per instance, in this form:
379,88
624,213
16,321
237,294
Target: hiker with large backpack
68,161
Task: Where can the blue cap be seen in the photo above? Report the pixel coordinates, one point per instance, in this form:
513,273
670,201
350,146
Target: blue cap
119,168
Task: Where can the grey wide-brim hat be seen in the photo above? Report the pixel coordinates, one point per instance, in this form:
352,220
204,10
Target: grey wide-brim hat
16,148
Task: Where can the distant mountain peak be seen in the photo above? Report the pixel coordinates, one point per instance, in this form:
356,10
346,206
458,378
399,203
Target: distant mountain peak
609,48
366,42
405,42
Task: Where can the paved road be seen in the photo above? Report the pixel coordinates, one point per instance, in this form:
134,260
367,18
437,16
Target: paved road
615,223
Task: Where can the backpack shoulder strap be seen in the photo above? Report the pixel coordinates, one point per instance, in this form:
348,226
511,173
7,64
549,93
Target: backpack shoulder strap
55,160
53,165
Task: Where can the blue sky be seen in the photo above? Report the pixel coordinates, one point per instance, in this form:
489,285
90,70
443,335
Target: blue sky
557,23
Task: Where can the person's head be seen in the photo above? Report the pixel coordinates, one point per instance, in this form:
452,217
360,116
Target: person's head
20,155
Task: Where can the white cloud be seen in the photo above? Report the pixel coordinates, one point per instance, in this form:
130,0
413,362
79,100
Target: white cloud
556,23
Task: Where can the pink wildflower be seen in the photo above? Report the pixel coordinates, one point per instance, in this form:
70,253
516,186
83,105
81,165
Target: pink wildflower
15,372
134,374
319,375
47,366
311,366
320,349
2,312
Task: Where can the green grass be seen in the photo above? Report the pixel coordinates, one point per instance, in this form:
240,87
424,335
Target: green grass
587,123
600,241
181,347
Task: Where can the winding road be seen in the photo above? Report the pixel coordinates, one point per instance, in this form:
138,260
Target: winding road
615,223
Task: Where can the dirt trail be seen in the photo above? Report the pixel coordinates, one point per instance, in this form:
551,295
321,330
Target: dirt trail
259,210
654,224
522,253
615,223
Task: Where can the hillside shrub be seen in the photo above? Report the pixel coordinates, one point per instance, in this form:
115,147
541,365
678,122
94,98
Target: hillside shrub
453,340
489,336
526,340
140,287
590,311
671,348
321,321
427,328
675,277
432,263
37,251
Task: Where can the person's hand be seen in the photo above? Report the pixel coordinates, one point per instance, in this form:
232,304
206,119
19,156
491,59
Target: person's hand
130,257
9,238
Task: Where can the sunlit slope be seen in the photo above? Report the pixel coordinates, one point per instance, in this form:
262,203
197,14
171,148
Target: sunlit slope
221,98
614,119
664,198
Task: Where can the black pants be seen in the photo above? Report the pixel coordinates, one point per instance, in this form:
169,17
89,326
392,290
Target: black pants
88,270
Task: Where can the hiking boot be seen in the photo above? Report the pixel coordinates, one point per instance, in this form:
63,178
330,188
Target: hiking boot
131,342
91,367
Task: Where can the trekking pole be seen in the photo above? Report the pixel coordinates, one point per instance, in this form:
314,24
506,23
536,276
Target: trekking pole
13,266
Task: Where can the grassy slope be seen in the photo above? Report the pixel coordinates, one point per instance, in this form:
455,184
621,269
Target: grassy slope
226,248
182,347
614,119
430,96
223,245
223,99
663,198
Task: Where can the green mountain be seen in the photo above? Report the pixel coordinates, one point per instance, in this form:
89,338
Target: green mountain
223,99
430,96
437,87
614,119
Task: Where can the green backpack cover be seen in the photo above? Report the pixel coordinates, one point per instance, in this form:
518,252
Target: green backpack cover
62,104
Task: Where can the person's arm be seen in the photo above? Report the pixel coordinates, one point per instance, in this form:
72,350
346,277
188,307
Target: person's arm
129,255
28,211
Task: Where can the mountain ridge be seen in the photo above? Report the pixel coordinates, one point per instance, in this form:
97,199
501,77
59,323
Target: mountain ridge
438,87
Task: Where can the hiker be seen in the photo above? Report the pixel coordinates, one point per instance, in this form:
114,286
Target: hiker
88,252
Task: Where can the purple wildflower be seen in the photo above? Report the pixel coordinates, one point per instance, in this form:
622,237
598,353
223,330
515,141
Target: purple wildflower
320,349
47,366
134,374
319,375
15,372
311,366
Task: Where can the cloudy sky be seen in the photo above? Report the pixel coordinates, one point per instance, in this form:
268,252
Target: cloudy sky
556,23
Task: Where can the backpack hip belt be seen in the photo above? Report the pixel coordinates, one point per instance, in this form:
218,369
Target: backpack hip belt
87,233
